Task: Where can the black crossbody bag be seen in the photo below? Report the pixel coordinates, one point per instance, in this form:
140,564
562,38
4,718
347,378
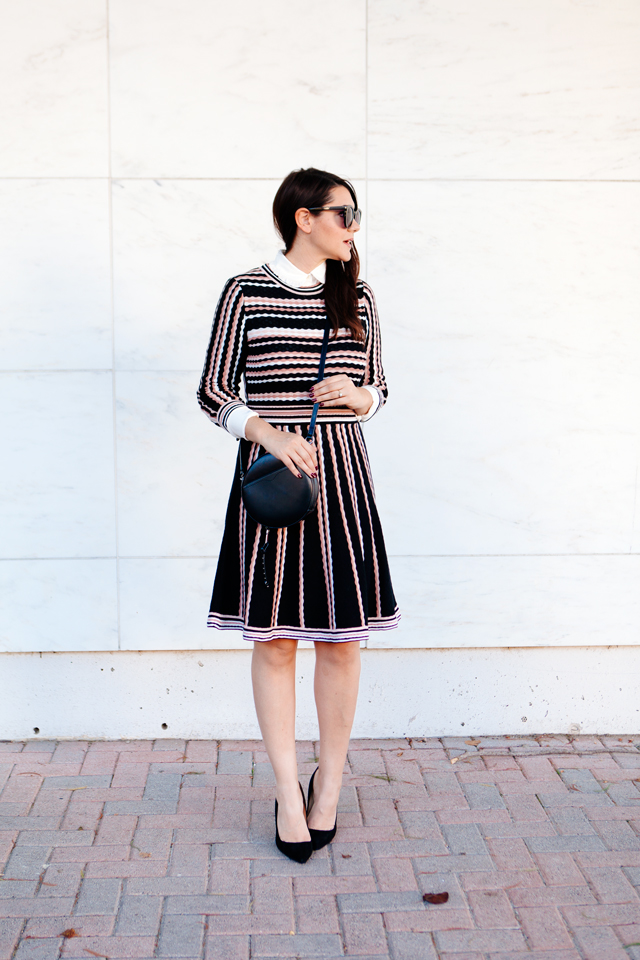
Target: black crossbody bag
272,495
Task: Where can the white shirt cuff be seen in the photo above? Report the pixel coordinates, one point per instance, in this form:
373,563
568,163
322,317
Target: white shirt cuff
375,396
237,422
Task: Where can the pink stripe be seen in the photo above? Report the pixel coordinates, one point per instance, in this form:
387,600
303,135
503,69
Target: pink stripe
385,623
281,548
301,575
284,301
295,633
242,523
217,352
323,528
346,456
280,357
363,450
233,337
244,606
374,552
253,454
356,579
220,622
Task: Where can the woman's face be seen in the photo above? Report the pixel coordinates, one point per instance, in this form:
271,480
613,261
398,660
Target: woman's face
328,231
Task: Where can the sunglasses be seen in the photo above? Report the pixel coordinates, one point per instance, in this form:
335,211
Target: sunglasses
347,211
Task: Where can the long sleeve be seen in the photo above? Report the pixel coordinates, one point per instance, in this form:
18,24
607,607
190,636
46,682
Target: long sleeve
374,374
221,382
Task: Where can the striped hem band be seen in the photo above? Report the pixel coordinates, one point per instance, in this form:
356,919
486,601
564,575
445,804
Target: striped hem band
303,633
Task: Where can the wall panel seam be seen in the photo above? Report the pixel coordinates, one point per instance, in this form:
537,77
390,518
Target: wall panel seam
393,556
161,177
113,324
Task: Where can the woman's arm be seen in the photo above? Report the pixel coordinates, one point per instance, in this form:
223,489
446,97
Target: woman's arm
294,451
219,390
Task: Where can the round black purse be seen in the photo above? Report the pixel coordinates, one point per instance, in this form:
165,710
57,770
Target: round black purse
272,495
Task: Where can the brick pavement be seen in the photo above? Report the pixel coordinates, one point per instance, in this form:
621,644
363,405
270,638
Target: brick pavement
165,849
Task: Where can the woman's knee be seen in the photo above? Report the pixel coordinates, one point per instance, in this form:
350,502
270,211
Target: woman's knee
275,653
338,654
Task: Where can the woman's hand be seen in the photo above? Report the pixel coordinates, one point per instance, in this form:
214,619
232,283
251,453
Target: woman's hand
291,448
341,391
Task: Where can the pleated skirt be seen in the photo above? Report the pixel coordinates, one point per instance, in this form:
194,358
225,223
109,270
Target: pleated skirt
327,578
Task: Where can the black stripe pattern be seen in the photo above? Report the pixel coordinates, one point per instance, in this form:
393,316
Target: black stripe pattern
266,342
327,578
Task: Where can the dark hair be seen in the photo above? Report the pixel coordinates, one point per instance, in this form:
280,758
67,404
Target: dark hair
312,188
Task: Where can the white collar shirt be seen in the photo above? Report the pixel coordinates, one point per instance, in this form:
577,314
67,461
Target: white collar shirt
294,277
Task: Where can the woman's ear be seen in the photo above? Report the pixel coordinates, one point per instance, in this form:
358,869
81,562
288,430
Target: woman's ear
303,220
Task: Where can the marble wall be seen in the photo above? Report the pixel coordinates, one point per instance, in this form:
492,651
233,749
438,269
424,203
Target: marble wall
495,147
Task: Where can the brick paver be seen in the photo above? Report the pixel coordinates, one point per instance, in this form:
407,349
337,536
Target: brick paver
165,849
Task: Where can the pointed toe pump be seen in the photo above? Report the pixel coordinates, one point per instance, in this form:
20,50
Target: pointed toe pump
300,852
319,838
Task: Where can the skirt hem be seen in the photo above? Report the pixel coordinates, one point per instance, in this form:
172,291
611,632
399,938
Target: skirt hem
218,622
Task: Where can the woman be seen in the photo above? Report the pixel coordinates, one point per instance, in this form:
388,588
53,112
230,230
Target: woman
325,580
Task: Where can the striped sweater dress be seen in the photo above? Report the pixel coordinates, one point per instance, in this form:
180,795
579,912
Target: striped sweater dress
328,576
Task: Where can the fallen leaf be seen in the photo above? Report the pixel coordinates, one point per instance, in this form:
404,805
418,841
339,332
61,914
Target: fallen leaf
387,778
142,854
473,742
346,856
67,934
454,759
435,897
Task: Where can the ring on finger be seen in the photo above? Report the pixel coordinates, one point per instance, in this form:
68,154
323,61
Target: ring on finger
340,393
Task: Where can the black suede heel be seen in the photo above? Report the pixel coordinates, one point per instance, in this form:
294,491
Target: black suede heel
300,852
319,838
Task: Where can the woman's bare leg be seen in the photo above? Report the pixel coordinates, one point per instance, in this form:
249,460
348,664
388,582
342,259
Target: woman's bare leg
273,671
336,683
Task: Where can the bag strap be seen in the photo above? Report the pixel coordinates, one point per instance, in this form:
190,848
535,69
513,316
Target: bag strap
323,357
